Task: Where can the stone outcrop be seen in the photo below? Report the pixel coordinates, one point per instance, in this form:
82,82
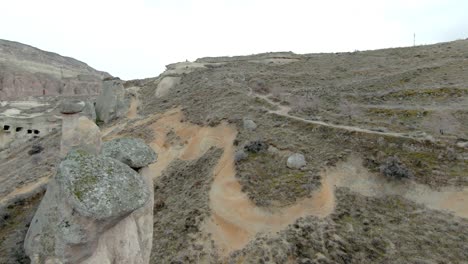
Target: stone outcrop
89,196
27,71
131,151
166,84
112,102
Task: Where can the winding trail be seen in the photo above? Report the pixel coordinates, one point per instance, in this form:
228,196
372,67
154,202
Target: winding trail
284,111
236,220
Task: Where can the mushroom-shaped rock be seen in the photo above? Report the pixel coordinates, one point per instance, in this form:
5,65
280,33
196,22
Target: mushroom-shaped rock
131,151
296,161
88,196
101,187
71,106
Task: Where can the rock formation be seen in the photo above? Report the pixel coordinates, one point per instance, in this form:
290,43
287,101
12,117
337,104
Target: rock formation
78,131
27,71
112,102
87,213
131,151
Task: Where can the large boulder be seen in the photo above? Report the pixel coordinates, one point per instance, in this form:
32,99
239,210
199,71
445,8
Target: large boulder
131,151
89,197
112,102
68,106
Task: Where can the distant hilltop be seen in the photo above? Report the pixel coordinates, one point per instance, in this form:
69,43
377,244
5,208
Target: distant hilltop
28,71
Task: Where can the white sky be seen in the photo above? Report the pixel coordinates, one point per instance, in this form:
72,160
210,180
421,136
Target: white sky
137,38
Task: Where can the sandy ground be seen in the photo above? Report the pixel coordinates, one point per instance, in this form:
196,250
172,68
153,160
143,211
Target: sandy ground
353,175
236,220
25,189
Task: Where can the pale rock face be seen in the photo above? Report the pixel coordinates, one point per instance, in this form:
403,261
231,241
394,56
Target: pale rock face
28,71
166,84
112,102
296,161
79,131
96,210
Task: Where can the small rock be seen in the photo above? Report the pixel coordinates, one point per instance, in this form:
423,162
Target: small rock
71,106
240,155
249,124
296,161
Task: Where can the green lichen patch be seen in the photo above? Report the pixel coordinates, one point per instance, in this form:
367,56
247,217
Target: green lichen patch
100,186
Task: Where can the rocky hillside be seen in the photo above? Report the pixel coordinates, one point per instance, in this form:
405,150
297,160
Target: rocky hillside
272,158
28,71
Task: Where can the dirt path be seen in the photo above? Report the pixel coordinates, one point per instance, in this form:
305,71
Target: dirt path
25,189
353,175
284,111
236,220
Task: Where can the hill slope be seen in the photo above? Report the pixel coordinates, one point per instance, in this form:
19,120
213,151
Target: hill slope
28,71
383,133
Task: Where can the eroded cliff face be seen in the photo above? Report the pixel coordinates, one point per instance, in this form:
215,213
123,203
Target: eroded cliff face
28,71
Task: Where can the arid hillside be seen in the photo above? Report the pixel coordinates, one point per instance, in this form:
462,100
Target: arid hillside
355,157
28,71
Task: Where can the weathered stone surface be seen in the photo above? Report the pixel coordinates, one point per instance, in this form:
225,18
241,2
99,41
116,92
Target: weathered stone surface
131,239
131,151
112,102
89,111
166,85
79,131
296,161
89,196
28,71
249,124
100,187
71,106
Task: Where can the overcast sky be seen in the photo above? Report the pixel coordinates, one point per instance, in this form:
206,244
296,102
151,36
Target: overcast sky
137,38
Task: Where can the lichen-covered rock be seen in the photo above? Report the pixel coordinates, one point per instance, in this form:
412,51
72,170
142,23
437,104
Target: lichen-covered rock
100,187
296,161
71,106
112,102
131,151
89,195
